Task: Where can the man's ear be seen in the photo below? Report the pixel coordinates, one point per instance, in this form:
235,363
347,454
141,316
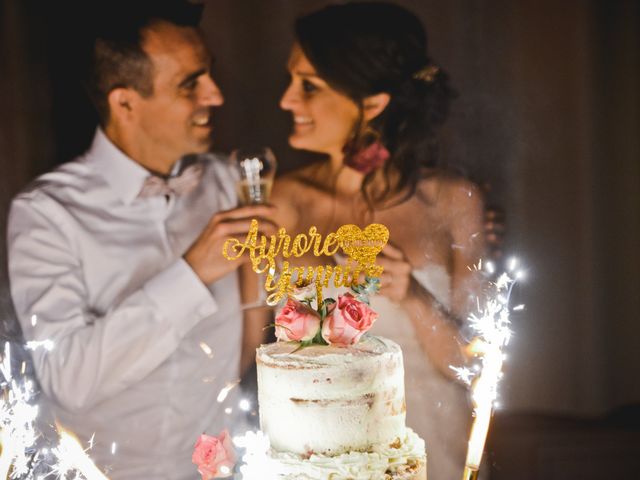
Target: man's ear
122,103
374,105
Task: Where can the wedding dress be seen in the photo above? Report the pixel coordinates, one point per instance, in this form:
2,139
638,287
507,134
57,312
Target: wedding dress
437,407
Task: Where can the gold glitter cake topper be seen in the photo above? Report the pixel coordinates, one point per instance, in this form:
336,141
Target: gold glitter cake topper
360,246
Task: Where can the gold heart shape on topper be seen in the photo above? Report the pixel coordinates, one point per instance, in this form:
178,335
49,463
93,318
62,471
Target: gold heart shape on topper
363,245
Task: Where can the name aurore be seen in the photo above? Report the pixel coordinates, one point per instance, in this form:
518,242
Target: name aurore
264,250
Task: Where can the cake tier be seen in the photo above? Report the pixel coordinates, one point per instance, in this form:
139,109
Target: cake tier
331,400
404,460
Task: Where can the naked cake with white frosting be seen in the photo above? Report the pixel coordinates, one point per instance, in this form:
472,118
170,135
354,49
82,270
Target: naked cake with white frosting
334,412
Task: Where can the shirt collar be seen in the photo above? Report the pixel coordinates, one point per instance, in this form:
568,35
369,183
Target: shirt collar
124,175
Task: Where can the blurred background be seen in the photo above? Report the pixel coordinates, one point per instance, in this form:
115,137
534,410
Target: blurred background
547,118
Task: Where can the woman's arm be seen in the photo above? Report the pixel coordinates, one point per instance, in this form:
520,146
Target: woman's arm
467,229
254,319
437,328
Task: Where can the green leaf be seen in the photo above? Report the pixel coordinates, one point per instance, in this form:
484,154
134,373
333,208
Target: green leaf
370,286
324,307
318,339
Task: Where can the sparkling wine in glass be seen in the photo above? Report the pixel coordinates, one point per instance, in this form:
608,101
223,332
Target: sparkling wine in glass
257,169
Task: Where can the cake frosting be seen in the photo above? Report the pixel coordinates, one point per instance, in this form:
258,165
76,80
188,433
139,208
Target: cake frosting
403,460
337,412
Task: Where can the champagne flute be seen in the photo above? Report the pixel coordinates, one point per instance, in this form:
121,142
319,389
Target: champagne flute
257,168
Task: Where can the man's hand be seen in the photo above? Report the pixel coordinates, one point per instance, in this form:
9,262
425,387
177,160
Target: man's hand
205,255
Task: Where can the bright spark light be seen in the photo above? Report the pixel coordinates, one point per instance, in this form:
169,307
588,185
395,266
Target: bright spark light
491,325
257,465
225,391
490,267
20,456
35,344
72,458
464,374
244,405
206,349
17,419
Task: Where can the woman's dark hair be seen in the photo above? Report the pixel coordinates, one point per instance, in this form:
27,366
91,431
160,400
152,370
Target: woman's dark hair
366,48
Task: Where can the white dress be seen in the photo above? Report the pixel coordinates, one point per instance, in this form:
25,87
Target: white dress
438,409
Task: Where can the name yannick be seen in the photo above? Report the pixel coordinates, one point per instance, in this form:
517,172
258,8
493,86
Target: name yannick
281,279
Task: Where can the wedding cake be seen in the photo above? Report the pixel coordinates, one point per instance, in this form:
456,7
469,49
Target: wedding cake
337,412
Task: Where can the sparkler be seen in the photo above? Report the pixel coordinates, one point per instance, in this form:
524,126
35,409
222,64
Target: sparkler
491,324
20,456
73,458
17,418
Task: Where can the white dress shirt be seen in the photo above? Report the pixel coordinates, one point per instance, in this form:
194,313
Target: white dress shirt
142,347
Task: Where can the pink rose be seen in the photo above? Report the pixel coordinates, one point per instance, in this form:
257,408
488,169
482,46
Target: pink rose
214,456
297,322
349,320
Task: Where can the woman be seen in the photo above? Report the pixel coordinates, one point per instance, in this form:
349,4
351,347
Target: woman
364,92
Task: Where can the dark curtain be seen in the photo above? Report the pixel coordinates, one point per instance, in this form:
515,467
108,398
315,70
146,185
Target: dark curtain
547,114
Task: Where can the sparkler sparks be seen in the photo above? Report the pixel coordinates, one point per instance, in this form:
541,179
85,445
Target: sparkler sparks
206,349
257,465
245,405
20,456
491,325
46,344
225,391
464,374
72,458
17,419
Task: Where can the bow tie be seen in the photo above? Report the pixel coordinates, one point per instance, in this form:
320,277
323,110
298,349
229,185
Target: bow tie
181,184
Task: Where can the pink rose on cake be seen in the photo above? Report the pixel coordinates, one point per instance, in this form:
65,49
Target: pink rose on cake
348,321
214,456
297,322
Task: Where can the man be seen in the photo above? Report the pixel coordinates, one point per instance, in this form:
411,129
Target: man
124,272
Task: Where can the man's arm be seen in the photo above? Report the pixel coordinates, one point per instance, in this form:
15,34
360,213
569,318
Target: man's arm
95,355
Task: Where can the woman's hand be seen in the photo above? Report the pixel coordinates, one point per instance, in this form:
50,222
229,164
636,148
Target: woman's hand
396,279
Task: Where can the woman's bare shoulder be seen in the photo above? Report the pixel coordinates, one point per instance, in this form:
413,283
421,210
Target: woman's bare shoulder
287,185
449,188
292,193
302,180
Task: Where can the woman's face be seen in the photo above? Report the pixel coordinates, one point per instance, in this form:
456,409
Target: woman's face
322,117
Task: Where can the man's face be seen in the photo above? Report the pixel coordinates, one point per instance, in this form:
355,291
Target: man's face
176,119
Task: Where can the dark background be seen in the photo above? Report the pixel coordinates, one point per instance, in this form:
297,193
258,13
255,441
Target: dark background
547,115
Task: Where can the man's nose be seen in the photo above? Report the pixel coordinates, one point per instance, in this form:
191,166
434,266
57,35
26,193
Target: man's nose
210,96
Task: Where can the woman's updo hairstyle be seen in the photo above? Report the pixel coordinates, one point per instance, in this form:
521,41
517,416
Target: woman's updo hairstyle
361,49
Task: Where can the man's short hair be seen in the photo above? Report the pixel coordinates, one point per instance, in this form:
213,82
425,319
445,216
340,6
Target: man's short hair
117,58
